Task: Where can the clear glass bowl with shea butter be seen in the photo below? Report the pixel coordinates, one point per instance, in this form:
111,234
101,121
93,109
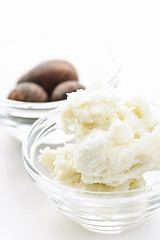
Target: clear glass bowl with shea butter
104,212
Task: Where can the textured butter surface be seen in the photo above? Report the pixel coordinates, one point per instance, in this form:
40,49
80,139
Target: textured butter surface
117,141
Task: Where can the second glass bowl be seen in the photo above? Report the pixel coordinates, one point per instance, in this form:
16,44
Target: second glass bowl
91,57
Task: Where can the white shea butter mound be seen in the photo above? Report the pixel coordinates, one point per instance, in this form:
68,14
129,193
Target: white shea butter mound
117,141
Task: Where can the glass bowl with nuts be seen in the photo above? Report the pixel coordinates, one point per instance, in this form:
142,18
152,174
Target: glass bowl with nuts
38,73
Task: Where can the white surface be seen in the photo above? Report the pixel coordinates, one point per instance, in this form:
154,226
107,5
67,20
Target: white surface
132,29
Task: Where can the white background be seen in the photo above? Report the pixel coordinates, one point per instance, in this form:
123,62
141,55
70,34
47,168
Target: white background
132,28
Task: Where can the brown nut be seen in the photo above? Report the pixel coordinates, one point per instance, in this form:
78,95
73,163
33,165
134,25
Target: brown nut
50,74
61,90
28,92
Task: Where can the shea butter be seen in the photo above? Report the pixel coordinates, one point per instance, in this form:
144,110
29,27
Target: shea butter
117,140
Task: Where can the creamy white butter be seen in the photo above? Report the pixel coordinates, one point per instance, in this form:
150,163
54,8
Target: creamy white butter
117,141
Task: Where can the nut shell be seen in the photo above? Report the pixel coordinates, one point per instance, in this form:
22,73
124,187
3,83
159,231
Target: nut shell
49,74
28,92
61,90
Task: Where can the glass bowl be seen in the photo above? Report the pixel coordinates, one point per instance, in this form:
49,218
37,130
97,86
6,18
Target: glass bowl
92,58
104,212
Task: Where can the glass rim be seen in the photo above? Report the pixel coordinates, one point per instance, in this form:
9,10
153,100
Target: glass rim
30,105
